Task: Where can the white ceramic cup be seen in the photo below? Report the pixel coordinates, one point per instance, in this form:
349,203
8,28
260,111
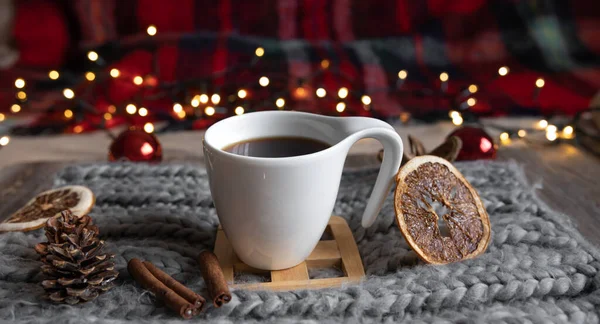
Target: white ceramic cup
275,210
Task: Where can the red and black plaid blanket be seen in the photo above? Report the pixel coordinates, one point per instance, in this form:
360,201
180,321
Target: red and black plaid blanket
363,43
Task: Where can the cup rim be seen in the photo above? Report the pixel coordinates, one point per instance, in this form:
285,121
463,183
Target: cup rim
213,148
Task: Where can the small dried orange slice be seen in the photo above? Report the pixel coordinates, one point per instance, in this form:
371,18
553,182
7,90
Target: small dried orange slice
426,185
78,199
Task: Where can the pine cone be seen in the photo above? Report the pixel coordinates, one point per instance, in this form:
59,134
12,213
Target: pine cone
74,261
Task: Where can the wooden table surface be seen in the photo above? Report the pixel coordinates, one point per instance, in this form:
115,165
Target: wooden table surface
568,177
570,182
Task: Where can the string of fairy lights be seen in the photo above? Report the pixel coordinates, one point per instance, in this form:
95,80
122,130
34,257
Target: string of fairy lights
552,132
207,105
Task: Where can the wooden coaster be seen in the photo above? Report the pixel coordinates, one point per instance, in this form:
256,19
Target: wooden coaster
341,253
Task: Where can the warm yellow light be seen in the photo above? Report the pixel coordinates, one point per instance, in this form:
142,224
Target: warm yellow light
325,64
540,83
522,133
259,51
471,102
112,109
543,123
280,102
203,98
150,80
340,107
53,75
405,117
107,116
148,127
473,88
2,117
181,114
568,130
68,93
68,113
343,92
78,129
504,136
263,81
177,108
321,93
215,99
444,77
138,80
15,108
242,93
453,114
209,111
151,30
402,74
20,83
458,120
239,110
551,136
21,95
131,109
196,102
90,76
115,73
143,112
92,56
503,71
4,140
300,93
366,100
551,128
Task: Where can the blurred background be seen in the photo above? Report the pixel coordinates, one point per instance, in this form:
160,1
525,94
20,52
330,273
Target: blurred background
77,66
140,80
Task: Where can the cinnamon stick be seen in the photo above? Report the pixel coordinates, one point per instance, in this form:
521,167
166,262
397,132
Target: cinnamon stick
140,272
177,287
213,276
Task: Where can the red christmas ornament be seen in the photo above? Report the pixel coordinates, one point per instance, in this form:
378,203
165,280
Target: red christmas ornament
476,144
135,145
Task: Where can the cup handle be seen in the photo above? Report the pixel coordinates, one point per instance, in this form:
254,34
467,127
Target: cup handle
362,127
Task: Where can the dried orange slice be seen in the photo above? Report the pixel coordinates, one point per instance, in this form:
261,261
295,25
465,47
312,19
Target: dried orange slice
426,185
78,199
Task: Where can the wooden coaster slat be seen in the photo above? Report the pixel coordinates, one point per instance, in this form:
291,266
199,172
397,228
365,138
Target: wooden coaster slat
225,254
325,255
339,253
244,268
324,263
299,272
296,284
325,250
348,249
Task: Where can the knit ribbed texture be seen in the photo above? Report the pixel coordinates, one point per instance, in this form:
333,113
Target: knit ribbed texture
537,269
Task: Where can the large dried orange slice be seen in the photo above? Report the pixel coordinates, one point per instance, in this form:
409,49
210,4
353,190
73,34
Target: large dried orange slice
439,214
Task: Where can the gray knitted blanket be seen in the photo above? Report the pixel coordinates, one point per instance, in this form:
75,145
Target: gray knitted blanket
538,268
